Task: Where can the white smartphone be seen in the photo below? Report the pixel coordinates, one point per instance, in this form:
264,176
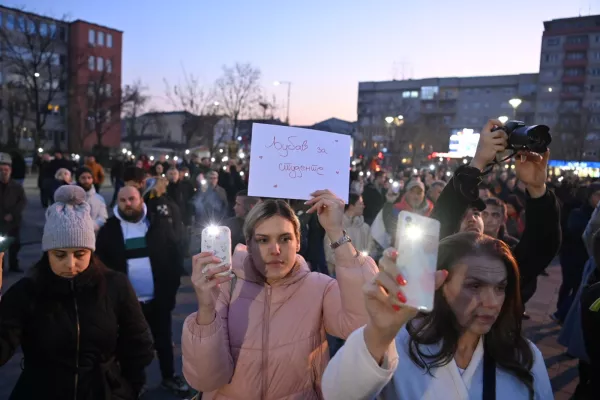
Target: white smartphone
417,240
218,240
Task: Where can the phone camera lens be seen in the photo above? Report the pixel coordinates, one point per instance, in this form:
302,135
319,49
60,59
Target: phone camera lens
408,219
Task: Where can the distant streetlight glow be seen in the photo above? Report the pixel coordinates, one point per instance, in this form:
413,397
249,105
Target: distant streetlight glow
36,74
503,119
389,120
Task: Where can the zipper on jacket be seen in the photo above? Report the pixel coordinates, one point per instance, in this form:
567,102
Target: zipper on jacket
265,342
78,330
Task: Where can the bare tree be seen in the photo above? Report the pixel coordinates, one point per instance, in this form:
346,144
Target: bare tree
192,97
238,91
16,109
34,67
132,110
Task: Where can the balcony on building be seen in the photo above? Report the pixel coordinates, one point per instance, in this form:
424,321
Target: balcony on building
575,63
573,79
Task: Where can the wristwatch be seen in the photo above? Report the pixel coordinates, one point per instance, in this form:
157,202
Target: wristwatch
343,240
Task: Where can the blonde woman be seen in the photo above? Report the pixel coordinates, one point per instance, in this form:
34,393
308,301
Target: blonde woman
260,330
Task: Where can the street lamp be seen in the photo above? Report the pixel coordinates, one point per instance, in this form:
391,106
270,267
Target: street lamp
36,74
515,103
289,85
503,119
389,120
400,117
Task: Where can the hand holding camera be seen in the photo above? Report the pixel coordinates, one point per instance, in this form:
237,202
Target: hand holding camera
492,140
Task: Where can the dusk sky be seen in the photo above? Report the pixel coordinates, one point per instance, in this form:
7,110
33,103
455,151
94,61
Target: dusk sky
324,47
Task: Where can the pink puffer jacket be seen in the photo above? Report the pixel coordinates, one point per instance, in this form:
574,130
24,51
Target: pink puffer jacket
268,341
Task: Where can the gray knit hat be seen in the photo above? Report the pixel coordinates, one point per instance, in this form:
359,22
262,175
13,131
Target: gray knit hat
68,221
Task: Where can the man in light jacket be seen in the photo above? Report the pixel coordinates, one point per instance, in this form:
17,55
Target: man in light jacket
97,204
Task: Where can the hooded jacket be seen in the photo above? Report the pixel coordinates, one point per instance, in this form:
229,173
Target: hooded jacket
269,341
98,210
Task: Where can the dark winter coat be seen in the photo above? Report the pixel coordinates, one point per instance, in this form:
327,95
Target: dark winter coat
13,202
541,238
162,239
83,338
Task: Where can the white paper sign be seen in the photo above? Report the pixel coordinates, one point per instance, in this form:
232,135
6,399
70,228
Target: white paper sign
291,163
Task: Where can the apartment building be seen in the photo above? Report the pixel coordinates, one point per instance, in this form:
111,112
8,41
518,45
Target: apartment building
44,64
569,96
414,117
564,95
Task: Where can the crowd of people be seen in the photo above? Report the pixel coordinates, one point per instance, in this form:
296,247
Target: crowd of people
308,280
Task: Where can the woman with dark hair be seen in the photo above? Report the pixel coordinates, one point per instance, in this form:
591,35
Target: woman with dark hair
470,344
79,324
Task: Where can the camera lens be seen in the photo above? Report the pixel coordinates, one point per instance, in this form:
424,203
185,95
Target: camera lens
408,219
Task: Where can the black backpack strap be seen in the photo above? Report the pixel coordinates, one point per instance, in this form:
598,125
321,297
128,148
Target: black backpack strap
489,376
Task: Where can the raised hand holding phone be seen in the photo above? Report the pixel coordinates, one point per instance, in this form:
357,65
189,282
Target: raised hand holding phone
211,268
386,301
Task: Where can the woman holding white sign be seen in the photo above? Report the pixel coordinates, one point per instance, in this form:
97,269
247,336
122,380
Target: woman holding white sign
260,332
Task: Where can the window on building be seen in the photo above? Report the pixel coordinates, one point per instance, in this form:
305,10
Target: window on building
100,38
108,65
30,27
21,23
571,104
549,73
43,29
100,64
553,41
10,22
107,116
509,91
108,40
52,30
429,92
594,71
447,119
574,72
62,33
108,90
92,37
575,56
577,39
548,105
550,58
406,94
476,105
414,94
91,63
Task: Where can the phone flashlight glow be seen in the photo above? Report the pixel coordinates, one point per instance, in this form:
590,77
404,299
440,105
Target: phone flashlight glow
213,230
413,232
2,239
203,182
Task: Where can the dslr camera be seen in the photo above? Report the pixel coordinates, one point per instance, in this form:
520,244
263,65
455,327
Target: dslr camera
535,138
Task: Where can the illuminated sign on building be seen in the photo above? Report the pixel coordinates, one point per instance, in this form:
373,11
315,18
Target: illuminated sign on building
463,143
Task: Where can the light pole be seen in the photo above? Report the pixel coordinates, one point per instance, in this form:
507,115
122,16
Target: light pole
289,85
515,103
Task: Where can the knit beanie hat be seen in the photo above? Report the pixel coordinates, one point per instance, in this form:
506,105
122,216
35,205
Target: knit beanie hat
68,221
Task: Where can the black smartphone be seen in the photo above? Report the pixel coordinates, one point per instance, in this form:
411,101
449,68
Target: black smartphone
5,242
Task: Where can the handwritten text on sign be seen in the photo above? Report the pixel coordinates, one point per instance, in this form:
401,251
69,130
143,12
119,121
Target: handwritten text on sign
291,163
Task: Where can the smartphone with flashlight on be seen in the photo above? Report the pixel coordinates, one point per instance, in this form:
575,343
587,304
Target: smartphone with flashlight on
5,242
417,240
218,240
